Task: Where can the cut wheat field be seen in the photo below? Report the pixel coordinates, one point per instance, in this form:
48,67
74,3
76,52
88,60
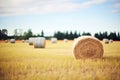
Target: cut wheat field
20,61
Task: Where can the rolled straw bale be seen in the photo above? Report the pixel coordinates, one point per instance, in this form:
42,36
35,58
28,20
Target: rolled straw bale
87,47
39,42
110,41
23,41
54,40
31,41
12,40
6,41
106,41
65,40
75,39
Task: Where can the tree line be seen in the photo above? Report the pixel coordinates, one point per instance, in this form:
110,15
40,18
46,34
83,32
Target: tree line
71,35
19,35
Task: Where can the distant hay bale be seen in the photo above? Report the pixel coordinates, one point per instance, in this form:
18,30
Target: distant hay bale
106,41
6,41
87,47
23,41
54,40
39,42
12,40
110,41
75,39
31,41
65,40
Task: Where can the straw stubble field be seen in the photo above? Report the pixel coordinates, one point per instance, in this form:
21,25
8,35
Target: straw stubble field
20,61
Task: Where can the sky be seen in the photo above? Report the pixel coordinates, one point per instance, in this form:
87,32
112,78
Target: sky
60,15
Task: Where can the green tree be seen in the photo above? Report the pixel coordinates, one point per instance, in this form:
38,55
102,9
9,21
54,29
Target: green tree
113,36
100,36
59,35
96,35
25,35
84,33
75,34
4,31
38,35
79,34
3,34
28,34
118,36
105,35
16,33
66,35
42,33
71,36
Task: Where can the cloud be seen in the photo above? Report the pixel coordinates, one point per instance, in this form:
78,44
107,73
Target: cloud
115,11
116,8
23,7
117,5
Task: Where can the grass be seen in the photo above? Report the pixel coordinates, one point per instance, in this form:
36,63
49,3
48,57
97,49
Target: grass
20,61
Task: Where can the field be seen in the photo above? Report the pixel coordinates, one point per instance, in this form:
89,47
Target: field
20,61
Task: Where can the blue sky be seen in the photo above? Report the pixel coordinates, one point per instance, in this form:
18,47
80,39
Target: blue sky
53,15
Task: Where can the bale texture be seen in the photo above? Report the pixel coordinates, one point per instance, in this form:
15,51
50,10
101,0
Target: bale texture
87,47
31,41
39,42
54,40
12,40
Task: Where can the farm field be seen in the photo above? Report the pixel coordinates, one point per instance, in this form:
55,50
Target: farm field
20,61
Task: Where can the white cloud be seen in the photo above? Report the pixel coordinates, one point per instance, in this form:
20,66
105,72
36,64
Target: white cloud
18,7
117,8
117,5
115,11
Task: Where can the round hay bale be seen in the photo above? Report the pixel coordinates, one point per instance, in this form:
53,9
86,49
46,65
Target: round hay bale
31,41
75,39
23,41
54,40
87,47
39,42
110,41
6,41
65,40
106,41
12,40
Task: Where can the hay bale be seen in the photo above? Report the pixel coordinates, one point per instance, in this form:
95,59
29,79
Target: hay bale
75,39
31,40
12,40
39,42
110,41
23,41
6,41
106,41
65,40
54,40
87,47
